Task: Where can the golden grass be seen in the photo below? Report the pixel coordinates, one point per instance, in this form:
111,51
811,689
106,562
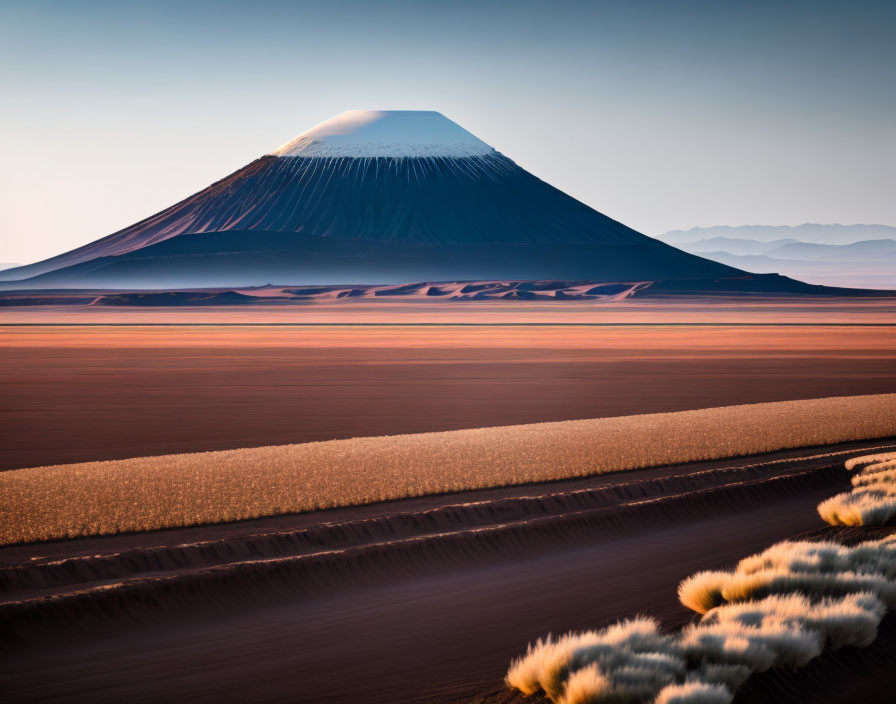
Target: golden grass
694,693
809,567
740,632
96,498
872,500
778,608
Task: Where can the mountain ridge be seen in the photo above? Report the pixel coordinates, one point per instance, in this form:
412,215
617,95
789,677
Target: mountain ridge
834,255
807,232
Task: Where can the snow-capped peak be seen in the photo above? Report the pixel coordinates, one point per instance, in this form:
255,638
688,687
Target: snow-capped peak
386,133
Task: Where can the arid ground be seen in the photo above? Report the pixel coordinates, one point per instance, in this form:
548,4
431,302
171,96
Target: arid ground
90,392
424,600
420,600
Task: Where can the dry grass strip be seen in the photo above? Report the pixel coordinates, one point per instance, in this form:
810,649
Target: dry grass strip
96,498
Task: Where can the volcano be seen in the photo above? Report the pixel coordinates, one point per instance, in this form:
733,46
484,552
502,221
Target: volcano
371,197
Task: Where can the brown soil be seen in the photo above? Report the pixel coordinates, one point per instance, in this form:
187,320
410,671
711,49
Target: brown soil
75,394
416,601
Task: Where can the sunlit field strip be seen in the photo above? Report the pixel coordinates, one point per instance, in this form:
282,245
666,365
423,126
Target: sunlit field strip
684,338
97,498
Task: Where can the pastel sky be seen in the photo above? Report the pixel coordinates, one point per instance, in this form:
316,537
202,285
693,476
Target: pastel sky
662,114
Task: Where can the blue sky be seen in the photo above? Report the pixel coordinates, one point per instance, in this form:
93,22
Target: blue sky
660,114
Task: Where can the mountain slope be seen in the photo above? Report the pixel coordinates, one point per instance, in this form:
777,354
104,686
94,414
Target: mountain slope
372,197
256,258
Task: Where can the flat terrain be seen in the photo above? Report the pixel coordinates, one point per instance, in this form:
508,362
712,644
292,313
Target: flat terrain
420,600
426,310
79,393
424,600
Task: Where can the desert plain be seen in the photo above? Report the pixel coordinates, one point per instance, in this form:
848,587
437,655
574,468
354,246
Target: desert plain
427,598
111,384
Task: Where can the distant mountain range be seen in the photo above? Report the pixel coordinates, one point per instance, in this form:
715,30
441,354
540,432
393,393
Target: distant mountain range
861,256
808,232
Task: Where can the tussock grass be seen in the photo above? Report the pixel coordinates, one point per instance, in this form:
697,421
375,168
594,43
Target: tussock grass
779,608
585,685
629,661
729,675
633,661
887,476
872,500
869,461
703,591
695,692
839,621
96,498
814,568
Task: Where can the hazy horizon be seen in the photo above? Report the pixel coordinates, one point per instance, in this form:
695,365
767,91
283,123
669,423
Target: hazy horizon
663,116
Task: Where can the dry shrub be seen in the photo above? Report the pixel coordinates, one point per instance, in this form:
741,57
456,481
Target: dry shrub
852,620
774,609
148,493
858,509
814,568
728,646
848,620
872,500
586,685
778,608
743,587
539,668
887,476
703,591
633,661
730,675
629,661
695,692
870,460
